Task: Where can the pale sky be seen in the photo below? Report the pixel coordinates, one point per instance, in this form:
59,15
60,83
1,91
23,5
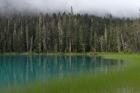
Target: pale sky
119,8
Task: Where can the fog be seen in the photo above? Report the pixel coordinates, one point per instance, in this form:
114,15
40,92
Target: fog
118,8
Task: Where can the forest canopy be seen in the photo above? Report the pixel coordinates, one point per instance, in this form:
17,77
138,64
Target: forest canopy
68,33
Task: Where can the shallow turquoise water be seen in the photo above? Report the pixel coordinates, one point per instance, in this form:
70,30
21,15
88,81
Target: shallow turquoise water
19,69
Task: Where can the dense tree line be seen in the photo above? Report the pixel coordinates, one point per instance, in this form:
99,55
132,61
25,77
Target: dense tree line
68,33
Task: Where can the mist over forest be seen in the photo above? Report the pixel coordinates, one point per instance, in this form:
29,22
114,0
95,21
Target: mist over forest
117,8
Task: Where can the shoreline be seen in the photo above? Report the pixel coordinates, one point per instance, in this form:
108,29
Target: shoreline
53,53
67,53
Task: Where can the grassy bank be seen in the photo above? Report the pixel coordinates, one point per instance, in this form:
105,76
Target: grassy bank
124,81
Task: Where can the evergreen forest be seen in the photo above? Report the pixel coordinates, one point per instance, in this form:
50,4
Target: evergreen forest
68,32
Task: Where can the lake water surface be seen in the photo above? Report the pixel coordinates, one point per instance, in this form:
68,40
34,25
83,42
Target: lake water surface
19,69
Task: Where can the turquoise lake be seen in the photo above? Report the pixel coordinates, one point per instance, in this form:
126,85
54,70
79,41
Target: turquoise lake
20,69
